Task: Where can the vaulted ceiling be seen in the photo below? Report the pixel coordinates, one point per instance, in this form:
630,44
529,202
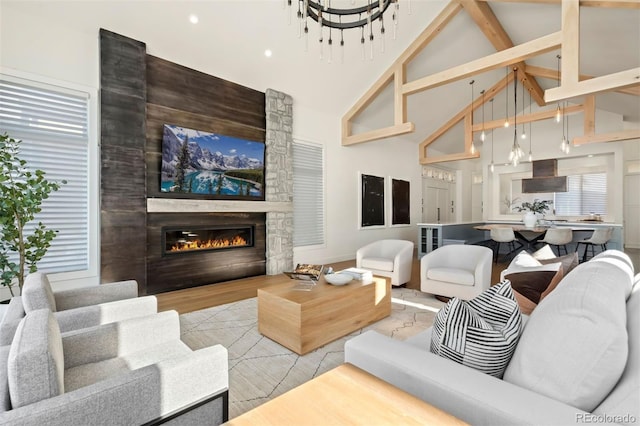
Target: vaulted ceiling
231,36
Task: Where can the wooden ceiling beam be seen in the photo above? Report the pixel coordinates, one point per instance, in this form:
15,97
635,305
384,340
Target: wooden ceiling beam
491,93
396,72
622,135
500,59
553,75
489,24
613,4
527,118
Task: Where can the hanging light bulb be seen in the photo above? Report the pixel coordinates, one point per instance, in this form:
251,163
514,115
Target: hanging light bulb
516,151
558,112
523,135
506,93
482,135
568,146
530,133
563,144
491,167
473,146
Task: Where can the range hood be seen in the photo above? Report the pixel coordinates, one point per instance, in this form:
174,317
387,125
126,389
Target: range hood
545,178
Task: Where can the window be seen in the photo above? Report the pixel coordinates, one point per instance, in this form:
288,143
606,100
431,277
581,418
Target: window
308,194
53,125
587,193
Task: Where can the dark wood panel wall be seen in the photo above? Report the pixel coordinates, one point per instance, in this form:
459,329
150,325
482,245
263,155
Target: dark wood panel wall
140,93
189,98
122,148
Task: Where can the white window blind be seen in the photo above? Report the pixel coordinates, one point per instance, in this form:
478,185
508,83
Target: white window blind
587,193
53,127
308,194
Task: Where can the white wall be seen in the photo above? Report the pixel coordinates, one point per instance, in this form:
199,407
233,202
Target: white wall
392,157
34,45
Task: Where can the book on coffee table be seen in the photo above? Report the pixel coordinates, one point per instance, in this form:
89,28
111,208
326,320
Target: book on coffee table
306,272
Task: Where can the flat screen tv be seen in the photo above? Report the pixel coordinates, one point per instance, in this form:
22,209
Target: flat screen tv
211,164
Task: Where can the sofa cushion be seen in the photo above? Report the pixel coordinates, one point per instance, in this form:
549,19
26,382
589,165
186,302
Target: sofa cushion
12,317
574,347
379,263
530,283
36,361
37,293
451,275
5,401
623,400
568,261
481,333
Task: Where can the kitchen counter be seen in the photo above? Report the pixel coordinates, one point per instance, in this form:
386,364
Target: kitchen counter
434,235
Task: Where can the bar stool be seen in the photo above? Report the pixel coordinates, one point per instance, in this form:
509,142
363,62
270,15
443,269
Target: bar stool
558,238
600,237
504,234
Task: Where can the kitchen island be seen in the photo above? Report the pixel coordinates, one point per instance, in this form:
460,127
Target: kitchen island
434,235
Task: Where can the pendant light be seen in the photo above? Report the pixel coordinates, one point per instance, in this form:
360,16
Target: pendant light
530,133
506,102
516,152
473,146
568,145
558,112
492,166
482,135
523,135
563,145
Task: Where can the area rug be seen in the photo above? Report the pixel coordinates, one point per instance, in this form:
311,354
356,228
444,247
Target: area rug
260,369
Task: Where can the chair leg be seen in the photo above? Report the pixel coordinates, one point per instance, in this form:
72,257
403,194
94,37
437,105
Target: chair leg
496,253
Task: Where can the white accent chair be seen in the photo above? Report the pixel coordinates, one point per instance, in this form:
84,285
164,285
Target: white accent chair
558,237
387,258
456,270
504,234
600,237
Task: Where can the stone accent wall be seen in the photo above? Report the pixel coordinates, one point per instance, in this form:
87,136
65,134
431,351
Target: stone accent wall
279,180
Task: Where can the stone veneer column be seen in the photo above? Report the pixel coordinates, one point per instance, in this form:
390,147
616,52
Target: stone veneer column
279,180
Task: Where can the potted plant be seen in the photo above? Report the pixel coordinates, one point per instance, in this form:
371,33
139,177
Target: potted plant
22,192
531,210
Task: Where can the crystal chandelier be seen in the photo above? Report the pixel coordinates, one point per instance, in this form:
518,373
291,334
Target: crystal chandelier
333,17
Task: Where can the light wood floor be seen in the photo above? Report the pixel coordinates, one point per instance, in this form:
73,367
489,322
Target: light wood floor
194,299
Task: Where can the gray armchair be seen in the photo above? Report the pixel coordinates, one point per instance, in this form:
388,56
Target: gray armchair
131,372
77,308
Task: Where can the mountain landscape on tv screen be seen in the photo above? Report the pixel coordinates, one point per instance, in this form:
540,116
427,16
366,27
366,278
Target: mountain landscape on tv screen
200,162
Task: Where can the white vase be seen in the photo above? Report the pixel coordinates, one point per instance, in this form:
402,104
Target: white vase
529,219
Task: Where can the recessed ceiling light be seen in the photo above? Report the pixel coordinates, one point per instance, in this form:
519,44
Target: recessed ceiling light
590,155
193,18
268,53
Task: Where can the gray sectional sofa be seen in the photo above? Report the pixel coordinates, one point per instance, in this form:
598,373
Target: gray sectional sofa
577,361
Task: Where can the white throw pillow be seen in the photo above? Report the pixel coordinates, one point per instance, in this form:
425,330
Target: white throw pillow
574,347
481,333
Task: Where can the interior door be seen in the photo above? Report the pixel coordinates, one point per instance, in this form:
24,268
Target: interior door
435,205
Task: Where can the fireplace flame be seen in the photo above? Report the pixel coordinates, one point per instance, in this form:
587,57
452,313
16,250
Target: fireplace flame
209,244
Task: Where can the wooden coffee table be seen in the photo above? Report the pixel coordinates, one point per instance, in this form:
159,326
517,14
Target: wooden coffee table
345,395
305,320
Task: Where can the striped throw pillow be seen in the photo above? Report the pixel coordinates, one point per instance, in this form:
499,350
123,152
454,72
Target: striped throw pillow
481,333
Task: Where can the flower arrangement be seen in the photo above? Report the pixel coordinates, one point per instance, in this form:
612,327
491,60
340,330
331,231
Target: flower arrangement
538,206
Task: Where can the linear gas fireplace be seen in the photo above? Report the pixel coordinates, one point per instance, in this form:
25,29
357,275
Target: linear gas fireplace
195,239
191,249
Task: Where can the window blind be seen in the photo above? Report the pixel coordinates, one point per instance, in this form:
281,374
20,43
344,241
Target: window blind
587,193
53,127
308,194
